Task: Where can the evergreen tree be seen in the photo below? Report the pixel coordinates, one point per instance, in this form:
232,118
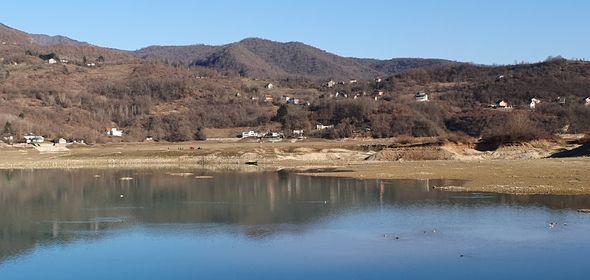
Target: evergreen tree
7,129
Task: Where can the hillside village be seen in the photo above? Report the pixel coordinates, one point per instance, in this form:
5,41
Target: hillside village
79,93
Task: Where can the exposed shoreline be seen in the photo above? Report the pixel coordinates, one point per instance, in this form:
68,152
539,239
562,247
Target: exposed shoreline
569,176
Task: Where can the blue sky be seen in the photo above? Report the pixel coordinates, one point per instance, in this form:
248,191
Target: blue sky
487,32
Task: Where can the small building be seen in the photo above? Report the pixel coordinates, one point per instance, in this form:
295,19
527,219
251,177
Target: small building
8,139
298,133
352,81
341,95
269,86
378,95
501,104
421,97
330,84
534,102
268,98
587,101
274,135
323,127
52,61
61,141
64,61
238,94
92,64
115,132
378,80
561,100
34,139
293,101
250,134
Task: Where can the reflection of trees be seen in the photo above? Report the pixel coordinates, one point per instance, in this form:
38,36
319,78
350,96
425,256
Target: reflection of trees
61,205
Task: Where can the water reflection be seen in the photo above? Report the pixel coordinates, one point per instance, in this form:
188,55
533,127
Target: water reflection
56,206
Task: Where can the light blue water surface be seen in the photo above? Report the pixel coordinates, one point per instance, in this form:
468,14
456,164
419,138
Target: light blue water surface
89,224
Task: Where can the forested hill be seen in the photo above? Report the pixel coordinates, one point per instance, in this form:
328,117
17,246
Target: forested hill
59,87
265,59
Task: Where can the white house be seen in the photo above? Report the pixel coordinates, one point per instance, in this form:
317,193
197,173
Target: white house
274,135
268,98
340,94
52,61
377,80
534,102
34,139
270,86
587,101
502,104
114,132
330,84
61,141
561,100
322,127
64,61
352,81
92,64
298,133
421,97
250,134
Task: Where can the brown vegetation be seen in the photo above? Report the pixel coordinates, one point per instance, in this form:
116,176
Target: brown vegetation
169,101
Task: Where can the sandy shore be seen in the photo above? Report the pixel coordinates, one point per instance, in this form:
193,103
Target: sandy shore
530,176
342,158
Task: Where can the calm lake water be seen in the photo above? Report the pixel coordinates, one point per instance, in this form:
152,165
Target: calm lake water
90,224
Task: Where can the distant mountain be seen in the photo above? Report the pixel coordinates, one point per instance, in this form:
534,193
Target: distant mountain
182,54
46,40
259,58
254,58
9,35
15,43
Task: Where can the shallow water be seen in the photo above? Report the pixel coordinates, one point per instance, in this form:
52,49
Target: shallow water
87,224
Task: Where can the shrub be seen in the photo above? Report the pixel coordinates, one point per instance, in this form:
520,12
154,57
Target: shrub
200,134
517,128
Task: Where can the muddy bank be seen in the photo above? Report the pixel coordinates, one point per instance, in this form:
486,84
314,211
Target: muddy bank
516,169
525,176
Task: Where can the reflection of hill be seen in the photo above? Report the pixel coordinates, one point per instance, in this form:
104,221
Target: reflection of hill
57,205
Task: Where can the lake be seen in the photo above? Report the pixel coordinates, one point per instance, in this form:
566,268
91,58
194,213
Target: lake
152,224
